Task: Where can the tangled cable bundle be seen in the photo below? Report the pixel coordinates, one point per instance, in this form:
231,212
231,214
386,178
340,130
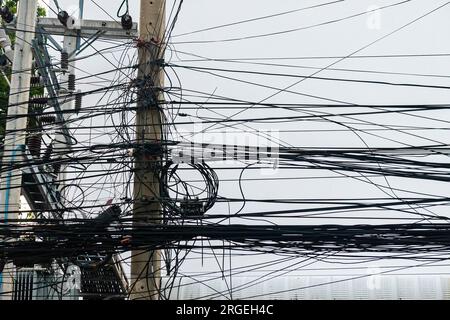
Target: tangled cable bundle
180,198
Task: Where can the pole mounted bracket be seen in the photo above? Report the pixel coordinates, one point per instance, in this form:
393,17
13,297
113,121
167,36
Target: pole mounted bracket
158,62
149,149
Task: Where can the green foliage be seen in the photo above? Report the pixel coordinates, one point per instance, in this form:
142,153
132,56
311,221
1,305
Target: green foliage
12,5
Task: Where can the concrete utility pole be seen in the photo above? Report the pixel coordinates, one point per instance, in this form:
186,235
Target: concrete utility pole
14,145
67,83
146,266
67,87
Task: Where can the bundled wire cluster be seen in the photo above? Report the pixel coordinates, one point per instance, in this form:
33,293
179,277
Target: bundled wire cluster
75,237
187,199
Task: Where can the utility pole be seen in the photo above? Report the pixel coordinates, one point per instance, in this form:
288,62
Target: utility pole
14,145
67,87
146,266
